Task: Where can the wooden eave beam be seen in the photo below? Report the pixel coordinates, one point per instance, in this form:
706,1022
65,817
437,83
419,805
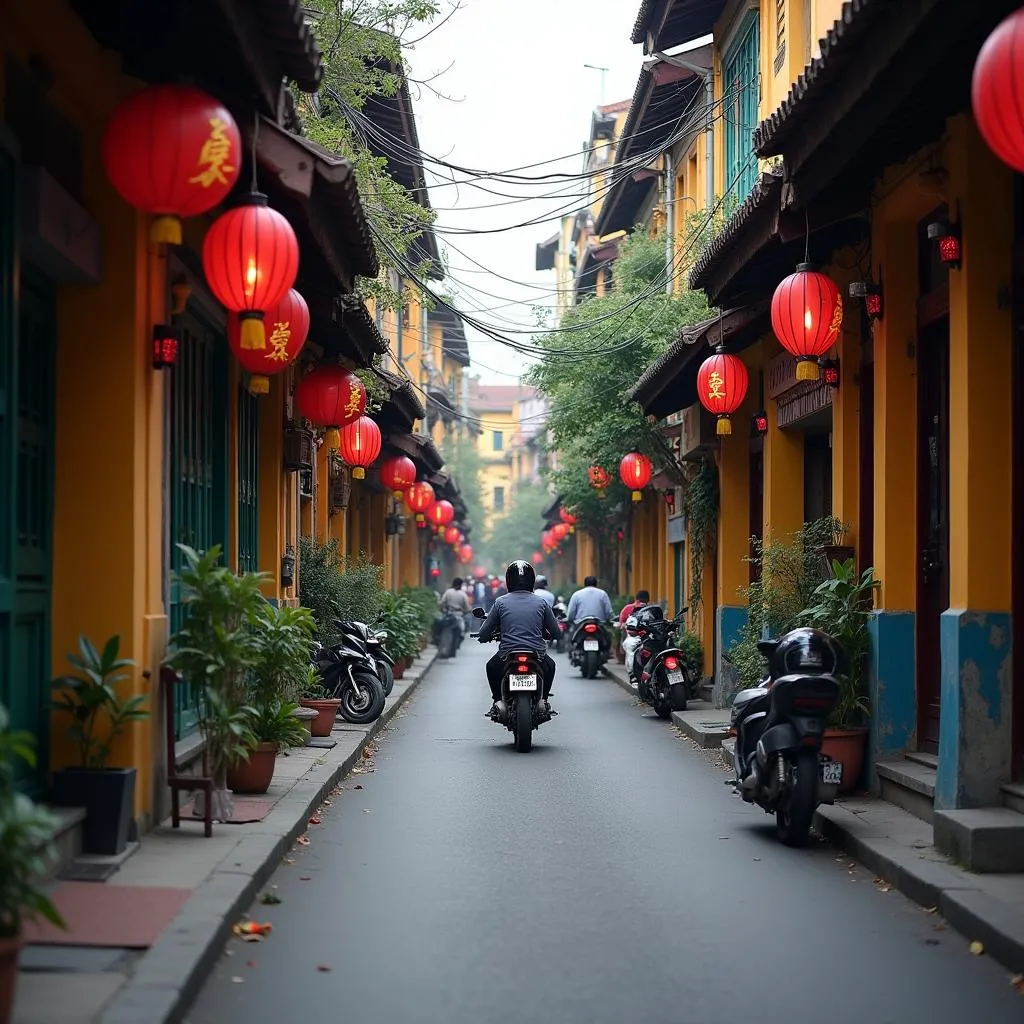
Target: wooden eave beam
259,55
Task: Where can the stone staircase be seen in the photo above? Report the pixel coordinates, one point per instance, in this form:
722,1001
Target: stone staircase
982,839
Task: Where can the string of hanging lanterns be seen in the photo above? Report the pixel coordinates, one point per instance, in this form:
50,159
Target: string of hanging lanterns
635,473
807,316
722,386
359,445
330,397
397,474
289,321
418,498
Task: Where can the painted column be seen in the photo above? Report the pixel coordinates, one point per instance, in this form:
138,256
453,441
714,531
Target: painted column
975,733
271,488
783,473
846,417
892,666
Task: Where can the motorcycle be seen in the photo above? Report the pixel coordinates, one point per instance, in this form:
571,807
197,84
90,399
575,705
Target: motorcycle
558,642
349,673
779,727
590,646
447,634
519,709
376,644
661,673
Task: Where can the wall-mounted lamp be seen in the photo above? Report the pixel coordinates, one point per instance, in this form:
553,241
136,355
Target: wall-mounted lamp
166,340
830,372
871,293
759,424
288,567
947,241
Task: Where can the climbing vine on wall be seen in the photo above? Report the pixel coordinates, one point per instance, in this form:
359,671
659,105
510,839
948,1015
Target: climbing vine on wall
702,523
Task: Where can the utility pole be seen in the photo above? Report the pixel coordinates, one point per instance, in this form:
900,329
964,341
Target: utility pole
604,71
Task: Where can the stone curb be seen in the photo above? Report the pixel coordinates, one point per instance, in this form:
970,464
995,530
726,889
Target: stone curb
617,674
172,972
958,895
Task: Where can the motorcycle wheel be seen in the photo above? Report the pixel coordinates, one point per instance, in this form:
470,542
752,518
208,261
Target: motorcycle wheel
523,731
794,816
387,677
590,665
446,643
663,708
363,702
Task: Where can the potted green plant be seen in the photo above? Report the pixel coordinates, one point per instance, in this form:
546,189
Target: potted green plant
313,695
841,607
283,636
98,716
215,650
26,854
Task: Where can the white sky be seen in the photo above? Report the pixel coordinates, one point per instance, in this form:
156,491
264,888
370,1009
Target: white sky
523,96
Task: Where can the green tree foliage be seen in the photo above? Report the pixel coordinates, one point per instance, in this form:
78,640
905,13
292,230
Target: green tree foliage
516,534
462,460
586,375
362,42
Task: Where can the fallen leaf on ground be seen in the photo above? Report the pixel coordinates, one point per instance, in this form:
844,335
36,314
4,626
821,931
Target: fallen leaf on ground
303,840
757,858
250,963
931,910
252,930
366,810
360,786
977,948
315,820
305,878
269,899
288,860
1017,981
323,968
237,980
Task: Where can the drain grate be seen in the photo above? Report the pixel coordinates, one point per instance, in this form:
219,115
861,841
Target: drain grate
79,871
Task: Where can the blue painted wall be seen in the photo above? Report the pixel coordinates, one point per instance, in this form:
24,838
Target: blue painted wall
892,685
975,724
729,620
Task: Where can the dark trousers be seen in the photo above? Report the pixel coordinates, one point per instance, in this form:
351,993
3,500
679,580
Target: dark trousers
496,666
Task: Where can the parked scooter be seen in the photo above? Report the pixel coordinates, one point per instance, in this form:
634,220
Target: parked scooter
522,687
376,644
662,674
779,729
448,634
558,642
590,646
349,673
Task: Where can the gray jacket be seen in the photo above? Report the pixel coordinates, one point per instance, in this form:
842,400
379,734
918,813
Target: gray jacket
522,618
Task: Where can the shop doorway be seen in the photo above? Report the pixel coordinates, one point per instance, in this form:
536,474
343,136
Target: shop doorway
1018,488
817,474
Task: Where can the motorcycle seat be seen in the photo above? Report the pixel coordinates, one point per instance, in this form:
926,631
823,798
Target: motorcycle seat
745,698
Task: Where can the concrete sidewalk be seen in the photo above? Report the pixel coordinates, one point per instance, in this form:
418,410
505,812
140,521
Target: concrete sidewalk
83,985
898,847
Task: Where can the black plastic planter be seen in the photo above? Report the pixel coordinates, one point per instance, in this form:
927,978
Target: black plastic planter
107,794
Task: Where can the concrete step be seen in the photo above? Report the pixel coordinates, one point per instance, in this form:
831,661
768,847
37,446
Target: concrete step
988,840
705,724
67,836
927,760
1013,796
908,784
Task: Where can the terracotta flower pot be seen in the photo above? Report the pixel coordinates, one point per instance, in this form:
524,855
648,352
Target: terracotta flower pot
254,775
847,746
324,722
400,668
9,951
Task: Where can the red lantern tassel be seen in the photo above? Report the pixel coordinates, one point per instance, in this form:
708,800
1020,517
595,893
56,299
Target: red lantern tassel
166,230
724,426
638,496
259,385
251,333
807,369
358,473
332,438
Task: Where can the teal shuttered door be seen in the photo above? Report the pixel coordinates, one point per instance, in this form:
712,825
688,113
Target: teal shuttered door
248,481
741,82
198,476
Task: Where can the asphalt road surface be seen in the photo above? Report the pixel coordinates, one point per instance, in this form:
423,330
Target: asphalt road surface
608,876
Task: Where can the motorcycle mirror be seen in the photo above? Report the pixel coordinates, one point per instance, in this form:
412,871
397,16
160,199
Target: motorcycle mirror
478,613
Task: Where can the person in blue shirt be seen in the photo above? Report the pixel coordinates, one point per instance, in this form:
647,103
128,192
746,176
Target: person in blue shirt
591,602
524,620
541,590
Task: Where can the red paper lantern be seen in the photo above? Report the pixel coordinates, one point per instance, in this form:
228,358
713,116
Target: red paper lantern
536,558
807,315
997,91
635,471
397,473
172,151
466,554
441,513
479,572
289,328
360,445
330,397
452,535
567,517
599,479
559,532
722,386
419,497
251,258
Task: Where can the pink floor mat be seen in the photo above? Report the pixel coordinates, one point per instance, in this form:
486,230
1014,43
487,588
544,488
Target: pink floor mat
247,810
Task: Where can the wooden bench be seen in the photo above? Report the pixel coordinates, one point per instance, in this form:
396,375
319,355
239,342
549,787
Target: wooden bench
177,782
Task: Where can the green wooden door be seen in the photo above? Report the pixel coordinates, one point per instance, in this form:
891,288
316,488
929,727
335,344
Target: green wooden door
248,481
741,84
198,472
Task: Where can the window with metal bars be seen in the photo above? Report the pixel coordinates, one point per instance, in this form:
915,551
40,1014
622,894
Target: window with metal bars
741,84
198,467
248,481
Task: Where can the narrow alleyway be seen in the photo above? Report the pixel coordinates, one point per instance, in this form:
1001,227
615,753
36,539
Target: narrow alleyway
608,876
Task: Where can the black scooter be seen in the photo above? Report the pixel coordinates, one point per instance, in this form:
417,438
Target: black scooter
779,727
349,673
662,674
590,646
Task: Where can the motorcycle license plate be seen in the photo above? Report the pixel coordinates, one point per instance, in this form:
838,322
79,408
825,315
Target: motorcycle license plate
591,645
518,682
675,677
832,772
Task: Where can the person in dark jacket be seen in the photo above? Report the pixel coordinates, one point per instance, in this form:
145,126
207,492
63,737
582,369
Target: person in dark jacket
524,620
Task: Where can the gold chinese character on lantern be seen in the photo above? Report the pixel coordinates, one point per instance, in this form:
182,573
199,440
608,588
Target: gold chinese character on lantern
214,156
352,406
279,339
837,321
716,386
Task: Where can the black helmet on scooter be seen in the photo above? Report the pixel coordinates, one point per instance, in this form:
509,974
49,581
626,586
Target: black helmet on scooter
541,584
520,576
807,652
649,613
